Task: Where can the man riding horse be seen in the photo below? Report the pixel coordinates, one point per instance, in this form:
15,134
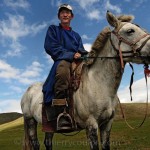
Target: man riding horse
63,45
96,100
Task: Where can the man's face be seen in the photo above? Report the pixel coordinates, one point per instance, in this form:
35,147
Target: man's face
65,16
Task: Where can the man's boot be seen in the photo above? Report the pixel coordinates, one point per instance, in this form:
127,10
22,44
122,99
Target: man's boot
64,120
54,109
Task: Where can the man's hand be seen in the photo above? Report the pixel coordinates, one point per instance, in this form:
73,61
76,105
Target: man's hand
77,55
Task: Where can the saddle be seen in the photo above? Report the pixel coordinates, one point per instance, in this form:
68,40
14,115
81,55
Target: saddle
67,112
76,72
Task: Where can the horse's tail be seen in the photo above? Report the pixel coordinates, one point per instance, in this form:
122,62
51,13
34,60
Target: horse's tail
26,143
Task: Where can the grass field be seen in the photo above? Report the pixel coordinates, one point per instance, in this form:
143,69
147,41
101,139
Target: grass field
122,137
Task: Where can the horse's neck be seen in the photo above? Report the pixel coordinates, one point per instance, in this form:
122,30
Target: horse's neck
106,72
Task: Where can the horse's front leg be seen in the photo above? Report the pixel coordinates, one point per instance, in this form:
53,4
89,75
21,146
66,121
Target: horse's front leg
48,140
92,135
105,129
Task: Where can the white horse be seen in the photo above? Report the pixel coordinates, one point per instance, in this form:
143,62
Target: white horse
96,99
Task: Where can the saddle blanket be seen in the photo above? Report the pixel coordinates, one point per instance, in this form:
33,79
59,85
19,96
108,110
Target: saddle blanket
47,126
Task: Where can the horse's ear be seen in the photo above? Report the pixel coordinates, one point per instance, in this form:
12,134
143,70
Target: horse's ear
112,20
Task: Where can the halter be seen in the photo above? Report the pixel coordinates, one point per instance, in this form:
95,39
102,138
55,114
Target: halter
135,51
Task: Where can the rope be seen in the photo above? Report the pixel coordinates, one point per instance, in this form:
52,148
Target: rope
71,134
131,81
146,110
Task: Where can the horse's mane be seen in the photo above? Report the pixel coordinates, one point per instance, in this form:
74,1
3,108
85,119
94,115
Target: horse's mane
103,36
125,18
99,44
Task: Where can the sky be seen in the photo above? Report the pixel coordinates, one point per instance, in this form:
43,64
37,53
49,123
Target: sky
23,25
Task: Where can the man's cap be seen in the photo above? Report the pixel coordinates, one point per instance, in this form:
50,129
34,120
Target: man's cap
65,6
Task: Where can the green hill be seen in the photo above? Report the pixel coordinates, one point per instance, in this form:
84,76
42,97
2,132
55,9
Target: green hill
8,117
11,124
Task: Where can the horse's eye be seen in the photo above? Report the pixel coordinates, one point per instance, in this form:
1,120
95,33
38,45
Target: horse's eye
130,31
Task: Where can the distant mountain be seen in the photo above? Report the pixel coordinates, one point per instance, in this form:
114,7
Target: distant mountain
8,117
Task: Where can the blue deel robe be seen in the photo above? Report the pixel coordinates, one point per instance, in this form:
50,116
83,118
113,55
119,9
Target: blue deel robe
60,44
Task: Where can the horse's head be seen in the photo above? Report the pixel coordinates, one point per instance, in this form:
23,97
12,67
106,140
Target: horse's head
130,41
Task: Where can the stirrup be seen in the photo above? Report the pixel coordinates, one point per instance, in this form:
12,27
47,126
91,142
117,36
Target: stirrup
66,127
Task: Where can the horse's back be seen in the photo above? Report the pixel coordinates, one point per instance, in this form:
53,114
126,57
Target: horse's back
31,102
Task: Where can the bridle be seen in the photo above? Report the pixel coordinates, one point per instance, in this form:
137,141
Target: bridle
135,52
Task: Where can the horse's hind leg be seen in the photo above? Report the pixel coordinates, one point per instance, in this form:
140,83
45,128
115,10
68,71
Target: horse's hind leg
32,133
92,135
48,140
105,129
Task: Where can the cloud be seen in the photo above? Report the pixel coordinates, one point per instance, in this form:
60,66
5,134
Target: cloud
31,73
96,9
7,71
138,92
89,6
87,46
86,3
85,37
94,15
15,49
49,59
25,76
33,70
111,7
13,29
18,78
17,4
11,105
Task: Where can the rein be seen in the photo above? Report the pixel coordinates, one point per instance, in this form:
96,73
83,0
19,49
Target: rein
124,117
109,57
147,74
